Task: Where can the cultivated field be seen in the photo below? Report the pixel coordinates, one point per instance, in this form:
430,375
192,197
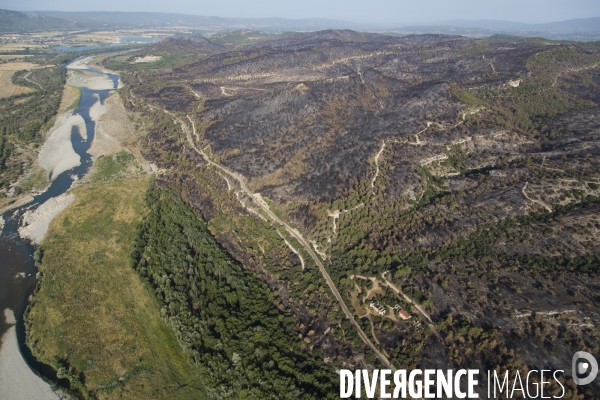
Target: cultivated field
8,47
7,70
14,57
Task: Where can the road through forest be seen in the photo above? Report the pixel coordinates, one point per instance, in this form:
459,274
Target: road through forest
292,232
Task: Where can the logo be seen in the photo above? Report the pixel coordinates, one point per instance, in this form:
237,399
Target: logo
584,364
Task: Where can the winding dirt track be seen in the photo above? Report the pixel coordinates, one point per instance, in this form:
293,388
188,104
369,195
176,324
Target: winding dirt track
26,77
540,202
377,166
292,232
411,301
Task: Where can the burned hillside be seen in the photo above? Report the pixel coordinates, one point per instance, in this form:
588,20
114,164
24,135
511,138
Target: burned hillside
456,179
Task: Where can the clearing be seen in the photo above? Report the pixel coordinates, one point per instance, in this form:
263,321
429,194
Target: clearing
146,59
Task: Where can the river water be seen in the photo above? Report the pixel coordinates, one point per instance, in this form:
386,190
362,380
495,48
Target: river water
17,267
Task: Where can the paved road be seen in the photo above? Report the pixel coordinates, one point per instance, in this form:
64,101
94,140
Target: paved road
296,235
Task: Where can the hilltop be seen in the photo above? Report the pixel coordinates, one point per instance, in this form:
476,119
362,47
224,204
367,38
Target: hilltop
450,177
19,22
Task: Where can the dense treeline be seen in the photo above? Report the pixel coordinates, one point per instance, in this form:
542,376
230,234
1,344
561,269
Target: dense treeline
223,316
5,149
28,119
309,147
24,118
481,245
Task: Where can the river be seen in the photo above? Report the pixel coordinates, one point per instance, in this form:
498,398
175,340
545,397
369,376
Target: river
18,270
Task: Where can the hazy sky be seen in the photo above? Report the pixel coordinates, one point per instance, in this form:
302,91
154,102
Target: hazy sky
382,11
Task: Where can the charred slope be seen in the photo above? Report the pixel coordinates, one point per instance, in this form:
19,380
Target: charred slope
468,170
303,116
196,44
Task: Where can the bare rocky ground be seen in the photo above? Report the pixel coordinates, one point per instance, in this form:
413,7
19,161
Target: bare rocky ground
89,80
479,195
35,223
57,155
114,129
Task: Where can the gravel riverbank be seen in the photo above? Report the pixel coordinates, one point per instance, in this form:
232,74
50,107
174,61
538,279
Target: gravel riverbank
17,380
35,223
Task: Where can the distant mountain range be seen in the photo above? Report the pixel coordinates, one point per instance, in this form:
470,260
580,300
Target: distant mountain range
13,21
17,22
115,20
575,29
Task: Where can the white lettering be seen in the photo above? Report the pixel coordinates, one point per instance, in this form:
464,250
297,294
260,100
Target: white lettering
459,394
432,383
411,384
370,385
472,383
400,383
542,385
428,382
517,377
561,386
445,384
537,390
384,383
345,378
497,383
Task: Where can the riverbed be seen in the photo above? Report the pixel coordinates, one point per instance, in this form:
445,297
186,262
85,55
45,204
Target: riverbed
66,159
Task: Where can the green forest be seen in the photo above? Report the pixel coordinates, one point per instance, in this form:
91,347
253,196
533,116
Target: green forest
223,315
25,117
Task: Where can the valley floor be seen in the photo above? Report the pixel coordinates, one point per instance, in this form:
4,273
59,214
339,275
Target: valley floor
92,313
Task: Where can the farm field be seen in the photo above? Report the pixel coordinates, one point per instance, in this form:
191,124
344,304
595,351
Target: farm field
7,88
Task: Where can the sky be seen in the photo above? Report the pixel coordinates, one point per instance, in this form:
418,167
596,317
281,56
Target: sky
367,11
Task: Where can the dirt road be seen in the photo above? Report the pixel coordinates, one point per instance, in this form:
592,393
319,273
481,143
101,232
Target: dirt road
294,234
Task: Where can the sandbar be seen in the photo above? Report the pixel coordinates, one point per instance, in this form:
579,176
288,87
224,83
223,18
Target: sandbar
89,80
35,223
57,154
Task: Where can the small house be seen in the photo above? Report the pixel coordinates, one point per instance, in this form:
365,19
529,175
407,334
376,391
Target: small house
403,314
